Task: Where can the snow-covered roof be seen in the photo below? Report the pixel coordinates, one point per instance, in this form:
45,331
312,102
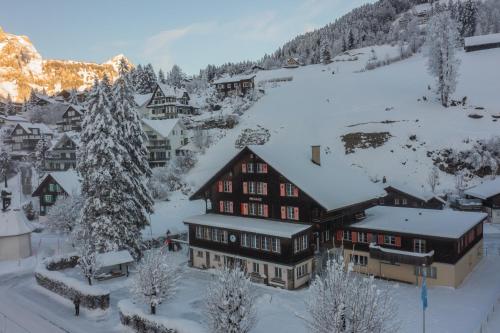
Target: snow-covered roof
18,119
332,184
419,193
13,223
140,100
113,258
169,90
41,127
234,78
482,40
426,222
68,180
485,190
71,135
163,127
248,224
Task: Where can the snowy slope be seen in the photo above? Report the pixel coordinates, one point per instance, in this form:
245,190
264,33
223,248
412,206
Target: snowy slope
318,107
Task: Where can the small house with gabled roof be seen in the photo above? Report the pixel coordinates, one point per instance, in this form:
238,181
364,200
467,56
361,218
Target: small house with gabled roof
488,194
238,85
71,119
54,185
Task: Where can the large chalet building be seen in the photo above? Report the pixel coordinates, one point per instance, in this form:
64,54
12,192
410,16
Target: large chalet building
237,85
71,119
25,136
62,155
268,210
167,102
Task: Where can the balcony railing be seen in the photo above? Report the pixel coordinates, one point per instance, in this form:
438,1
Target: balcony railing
401,257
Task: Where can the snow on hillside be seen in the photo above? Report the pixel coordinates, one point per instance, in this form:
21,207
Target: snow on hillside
318,107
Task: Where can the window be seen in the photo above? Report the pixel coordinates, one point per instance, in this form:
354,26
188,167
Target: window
266,243
215,235
245,242
251,187
362,237
396,201
291,190
292,213
347,235
255,267
419,246
199,232
301,271
228,186
430,272
405,202
217,258
389,240
250,168
226,207
254,241
48,198
359,260
199,254
261,168
300,243
278,274
327,235
276,245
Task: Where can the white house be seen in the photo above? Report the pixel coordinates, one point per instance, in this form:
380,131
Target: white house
166,139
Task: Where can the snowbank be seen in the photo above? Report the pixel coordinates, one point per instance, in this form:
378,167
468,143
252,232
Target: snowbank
134,317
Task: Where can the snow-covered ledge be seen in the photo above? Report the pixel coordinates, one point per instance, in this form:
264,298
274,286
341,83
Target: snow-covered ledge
405,253
134,317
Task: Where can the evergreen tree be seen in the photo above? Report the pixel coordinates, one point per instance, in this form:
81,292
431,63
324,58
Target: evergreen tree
350,41
6,164
468,18
41,150
176,77
442,41
106,222
161,77
73,97
9,108
326,56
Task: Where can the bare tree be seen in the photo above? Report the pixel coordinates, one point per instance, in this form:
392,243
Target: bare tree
341,301
87,260
460,182
229,303
433,178
156,279
63,215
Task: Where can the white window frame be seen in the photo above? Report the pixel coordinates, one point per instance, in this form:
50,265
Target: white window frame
362,237
390,240
276,245
278,273
419,245
347,235
256,267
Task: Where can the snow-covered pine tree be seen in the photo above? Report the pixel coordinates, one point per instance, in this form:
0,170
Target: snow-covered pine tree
9,107
176,77
341,301
73,97
161,77
442,42
106,215
144,79
467,16
7,165
325,52
150,79
230,303
132,137
41,150
156,279
64,213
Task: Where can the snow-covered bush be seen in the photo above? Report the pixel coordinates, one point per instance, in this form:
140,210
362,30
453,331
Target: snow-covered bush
65,212
248,136
230,303
341,301
87,260
29,211
156,279
159,183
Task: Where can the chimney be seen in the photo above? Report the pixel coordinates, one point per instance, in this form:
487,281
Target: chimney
384,180
316,155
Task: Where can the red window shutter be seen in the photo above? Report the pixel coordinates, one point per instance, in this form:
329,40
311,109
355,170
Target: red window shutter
266,211
230,187
340,234
221,186
264,168
283,212
245,187
244,168
398,241
369,237
221,206
246,208
264,188
242,208
380,239
296,213
231,210
282,190
295,191
354,236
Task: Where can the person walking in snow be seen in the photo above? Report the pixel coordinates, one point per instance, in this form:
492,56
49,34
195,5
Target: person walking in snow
76,302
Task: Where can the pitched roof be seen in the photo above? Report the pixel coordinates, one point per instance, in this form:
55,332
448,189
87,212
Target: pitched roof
248,224
418,193
113,258
169,90
234,78
42,127
485,190
163,127
426,222
69,181
482,40
70,135
333,185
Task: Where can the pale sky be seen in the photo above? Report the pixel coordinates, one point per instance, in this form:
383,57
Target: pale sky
189,33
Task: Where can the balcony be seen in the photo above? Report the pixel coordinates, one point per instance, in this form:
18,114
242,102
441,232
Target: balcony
401,257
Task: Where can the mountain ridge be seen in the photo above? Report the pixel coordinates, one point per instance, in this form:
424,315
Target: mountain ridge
22,69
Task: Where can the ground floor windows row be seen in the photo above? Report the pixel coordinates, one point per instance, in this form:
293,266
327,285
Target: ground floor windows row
211,234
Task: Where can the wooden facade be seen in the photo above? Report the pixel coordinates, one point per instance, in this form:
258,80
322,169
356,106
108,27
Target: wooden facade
71,119
62,156
25,136
48,191
168,102
237,85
